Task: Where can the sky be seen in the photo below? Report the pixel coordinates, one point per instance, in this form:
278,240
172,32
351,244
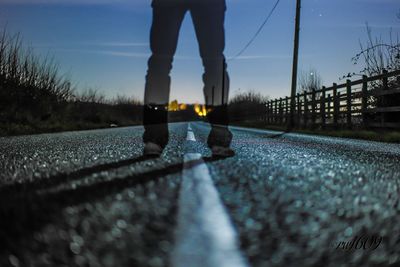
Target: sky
104,44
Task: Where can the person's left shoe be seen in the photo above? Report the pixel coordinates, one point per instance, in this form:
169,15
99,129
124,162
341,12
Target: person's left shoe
222,152
152,150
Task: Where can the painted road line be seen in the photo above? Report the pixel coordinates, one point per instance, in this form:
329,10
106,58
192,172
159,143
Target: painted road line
205,236
190,134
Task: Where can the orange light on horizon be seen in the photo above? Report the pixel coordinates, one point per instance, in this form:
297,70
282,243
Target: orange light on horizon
201,110
182,106
175,106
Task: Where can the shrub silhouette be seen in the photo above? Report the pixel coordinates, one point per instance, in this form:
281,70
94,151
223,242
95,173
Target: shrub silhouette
36,97
247,106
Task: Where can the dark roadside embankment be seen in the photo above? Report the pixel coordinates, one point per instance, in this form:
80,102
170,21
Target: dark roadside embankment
69,116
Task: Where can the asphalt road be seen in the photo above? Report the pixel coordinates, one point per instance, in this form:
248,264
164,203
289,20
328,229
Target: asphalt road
89,199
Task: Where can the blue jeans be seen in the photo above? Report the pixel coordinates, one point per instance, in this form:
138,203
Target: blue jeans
208,18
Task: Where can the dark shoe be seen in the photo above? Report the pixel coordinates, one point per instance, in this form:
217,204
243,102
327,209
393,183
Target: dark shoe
155,119
219,136
222,152
152,150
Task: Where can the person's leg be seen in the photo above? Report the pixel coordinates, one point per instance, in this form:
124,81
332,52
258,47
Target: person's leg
208,19
167,20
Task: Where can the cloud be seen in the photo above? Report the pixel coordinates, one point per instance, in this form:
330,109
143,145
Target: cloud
105,52
119,54
255,57
120,44
134,55
176,57
71,2
93,44
380,26
352,25
87,2
378,1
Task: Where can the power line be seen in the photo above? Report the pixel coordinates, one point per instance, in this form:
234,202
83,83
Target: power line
257,32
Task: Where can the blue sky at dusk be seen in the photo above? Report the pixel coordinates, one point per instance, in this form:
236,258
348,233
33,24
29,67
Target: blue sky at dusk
103,44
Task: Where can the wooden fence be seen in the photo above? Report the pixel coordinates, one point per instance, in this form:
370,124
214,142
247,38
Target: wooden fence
368,102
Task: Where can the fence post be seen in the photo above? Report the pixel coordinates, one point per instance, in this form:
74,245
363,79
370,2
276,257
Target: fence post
271,107
287,114
277,111
298,109
364,101
348,104
280,111
322,107
265,109
269,112
339,97
336,104
329,106
313,108
305,118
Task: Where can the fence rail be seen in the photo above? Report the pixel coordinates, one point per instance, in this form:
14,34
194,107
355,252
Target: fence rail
367,102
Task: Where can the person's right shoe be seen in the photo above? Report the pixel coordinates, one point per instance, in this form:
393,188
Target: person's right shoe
152,150
222,152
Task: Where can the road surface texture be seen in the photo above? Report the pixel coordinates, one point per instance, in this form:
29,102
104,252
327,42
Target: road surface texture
90,199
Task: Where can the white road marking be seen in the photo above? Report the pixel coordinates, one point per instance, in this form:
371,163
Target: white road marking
205,236
190,136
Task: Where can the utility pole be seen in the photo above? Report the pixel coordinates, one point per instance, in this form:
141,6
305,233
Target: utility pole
223,81
295,64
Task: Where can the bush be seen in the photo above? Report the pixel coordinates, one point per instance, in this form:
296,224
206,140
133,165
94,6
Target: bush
247,106
36,97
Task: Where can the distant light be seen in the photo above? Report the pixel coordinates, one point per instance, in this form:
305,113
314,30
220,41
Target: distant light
201,110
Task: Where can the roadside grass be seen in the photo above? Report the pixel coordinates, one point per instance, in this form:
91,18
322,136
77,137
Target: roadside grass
35,97
388,136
